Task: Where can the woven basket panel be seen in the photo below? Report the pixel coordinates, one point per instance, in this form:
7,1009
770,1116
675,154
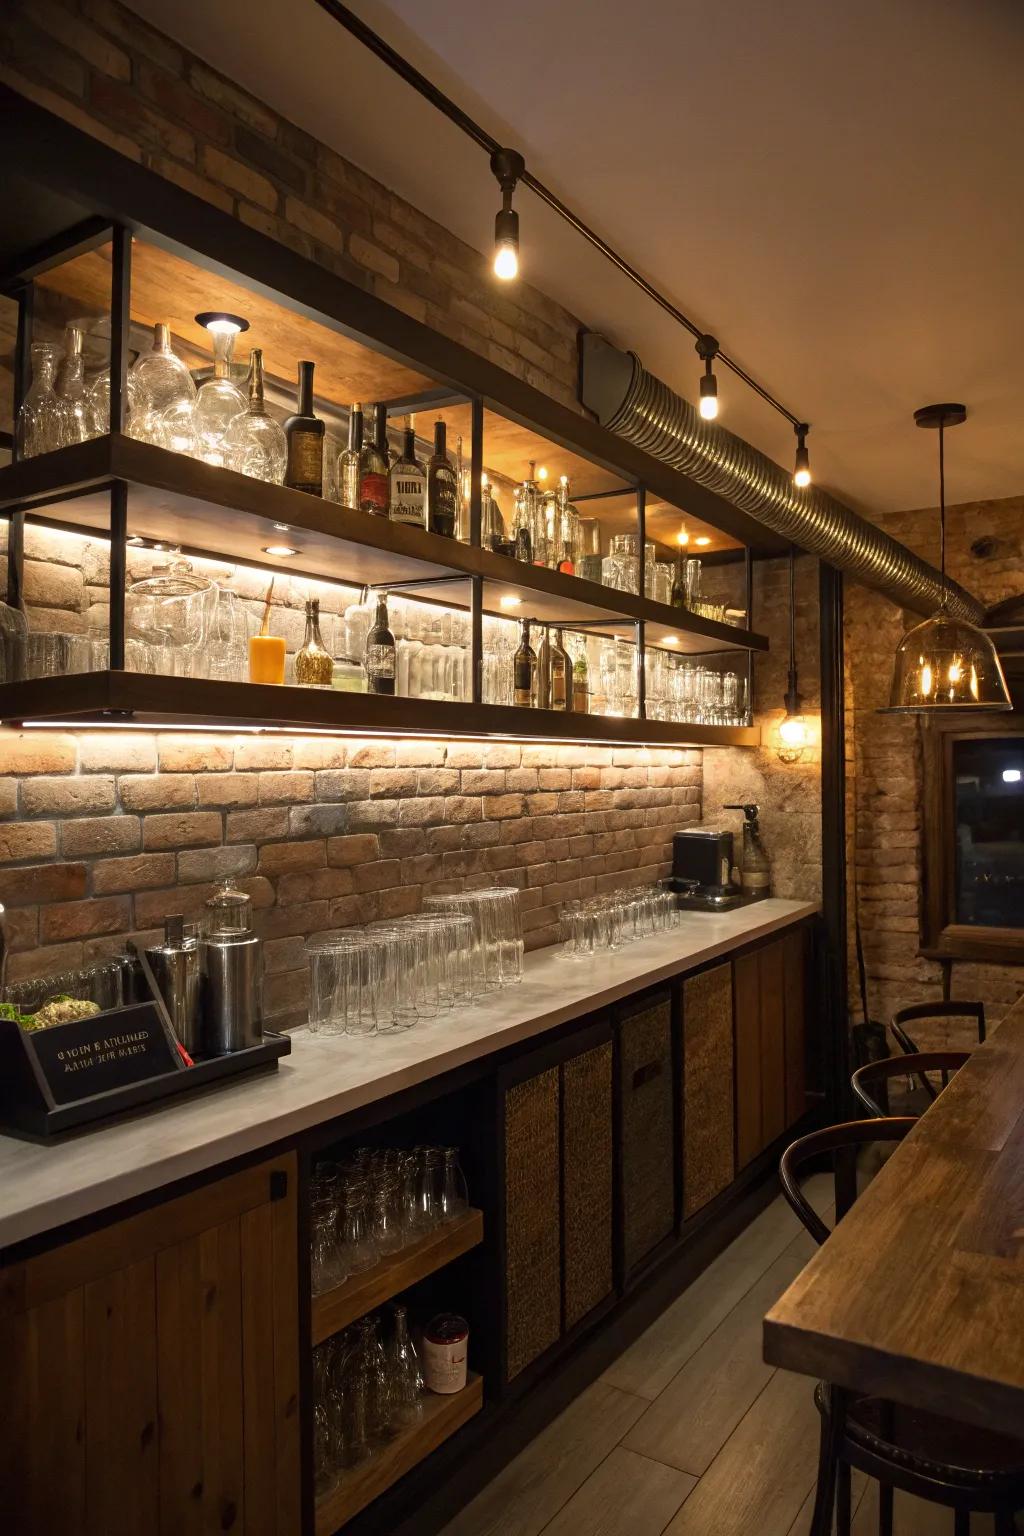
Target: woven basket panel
707,1087
645,1064
587,1180
533,1289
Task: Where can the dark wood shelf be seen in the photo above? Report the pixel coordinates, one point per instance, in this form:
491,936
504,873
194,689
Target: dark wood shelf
113,698
359,1294
441,1417
209,511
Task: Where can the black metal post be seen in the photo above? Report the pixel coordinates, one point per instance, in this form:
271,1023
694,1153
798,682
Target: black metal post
748,593
120,324
641,655
476,638
118,567
641,672
833,978
22,380
476,460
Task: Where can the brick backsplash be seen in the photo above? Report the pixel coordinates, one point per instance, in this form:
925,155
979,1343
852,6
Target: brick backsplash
105,832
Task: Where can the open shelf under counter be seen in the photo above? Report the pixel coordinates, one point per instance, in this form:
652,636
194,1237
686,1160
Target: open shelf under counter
138,698
359,1294
441,1417
208,511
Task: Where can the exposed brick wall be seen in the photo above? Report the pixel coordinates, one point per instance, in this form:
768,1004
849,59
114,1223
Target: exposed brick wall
885,799
103,833
111,74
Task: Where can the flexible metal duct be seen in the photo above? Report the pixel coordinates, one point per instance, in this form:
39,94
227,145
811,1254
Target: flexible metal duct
640,408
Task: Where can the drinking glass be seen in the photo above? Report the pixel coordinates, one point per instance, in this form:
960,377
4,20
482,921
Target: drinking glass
356,1248
454,1197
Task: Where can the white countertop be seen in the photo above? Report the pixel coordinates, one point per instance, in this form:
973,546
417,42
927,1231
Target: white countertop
42,1187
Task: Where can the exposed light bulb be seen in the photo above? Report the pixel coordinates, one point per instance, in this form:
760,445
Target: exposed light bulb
506,261
802,463
793,731
542,473
709,400
682,537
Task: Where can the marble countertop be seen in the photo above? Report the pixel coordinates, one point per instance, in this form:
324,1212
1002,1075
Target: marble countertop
42,1187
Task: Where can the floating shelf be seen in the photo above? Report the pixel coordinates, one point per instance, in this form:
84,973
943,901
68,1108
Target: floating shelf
359,1294
213,512
142,699
441,1417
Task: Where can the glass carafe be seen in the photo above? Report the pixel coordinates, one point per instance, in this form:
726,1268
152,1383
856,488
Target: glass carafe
218,402
99,402
454,1200
404,1371
254,443
159,382
38,428
167,616
73,416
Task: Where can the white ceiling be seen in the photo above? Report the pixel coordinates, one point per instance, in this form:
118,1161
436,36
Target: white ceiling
834,190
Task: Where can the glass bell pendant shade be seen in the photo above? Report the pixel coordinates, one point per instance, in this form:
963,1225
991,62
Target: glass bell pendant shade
947,664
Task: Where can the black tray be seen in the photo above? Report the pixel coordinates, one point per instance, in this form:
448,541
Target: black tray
28,1115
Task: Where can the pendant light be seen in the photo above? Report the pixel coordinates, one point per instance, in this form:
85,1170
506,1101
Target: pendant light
793,733
508,165
946,664
707,350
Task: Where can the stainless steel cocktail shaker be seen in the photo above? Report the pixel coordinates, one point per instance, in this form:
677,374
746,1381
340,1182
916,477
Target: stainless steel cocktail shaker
230,952
175,967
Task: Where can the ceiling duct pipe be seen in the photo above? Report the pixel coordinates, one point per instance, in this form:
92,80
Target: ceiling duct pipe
632,402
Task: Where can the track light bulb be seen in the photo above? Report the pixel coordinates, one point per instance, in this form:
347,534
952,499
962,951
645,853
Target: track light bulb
802,465
707,348
507,166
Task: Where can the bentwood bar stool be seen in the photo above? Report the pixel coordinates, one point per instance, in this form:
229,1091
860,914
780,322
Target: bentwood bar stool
918,1013
970,1471
870,1083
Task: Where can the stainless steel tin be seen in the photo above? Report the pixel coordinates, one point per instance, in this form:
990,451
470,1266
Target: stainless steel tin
232,1017
175,967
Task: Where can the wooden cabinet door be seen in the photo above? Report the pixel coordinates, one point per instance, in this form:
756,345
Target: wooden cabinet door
151,1370
646,1113
707,1149
769,1009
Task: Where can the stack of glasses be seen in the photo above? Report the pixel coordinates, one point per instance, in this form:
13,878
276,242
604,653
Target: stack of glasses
608,922
378,1203
391,975
366,1387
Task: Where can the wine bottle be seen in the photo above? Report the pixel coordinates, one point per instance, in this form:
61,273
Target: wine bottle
305,434
442,487
581,685
373,468
524,669
561,674
314,664
408,484
380,651
543,698
348,459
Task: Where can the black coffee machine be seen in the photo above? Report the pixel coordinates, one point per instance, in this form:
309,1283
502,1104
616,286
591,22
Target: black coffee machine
702,870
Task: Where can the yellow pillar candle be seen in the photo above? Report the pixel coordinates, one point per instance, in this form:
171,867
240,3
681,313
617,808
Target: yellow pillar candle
266,659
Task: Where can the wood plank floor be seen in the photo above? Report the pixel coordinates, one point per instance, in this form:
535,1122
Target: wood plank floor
688,1432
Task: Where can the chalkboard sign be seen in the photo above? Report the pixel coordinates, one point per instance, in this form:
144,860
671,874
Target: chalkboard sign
110,1050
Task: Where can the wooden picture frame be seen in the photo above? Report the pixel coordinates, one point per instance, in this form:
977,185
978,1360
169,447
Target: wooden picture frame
942,937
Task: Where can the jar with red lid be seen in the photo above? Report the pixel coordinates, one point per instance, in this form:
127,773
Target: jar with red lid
445,1348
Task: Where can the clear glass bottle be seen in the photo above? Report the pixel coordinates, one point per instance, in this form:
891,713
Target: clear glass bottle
158,383
99,402
442,487
561,674
543,689
254,443
219,400
38,419
348,460
581,683
314,664
380,652
408,484
73,416
373,467
524,670
304,433
454,1191
567,521
404,1370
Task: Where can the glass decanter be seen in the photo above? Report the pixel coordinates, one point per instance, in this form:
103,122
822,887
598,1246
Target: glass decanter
158,381
314,664
73,423
404,1371
254,443
99,403
38,419
219,400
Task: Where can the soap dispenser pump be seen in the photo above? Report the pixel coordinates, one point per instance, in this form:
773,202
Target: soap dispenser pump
756,874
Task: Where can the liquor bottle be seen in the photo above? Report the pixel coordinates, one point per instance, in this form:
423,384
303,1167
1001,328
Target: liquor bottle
348,459
543,690
305,434
581,685
524,669
254,443
678,597
567,520
314,665
380,651
561,674
442,487
408,484
373,468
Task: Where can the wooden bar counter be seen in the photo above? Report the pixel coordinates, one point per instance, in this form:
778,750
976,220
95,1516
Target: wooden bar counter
919,1293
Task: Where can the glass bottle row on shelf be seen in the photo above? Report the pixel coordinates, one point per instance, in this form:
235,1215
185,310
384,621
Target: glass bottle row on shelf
225,420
